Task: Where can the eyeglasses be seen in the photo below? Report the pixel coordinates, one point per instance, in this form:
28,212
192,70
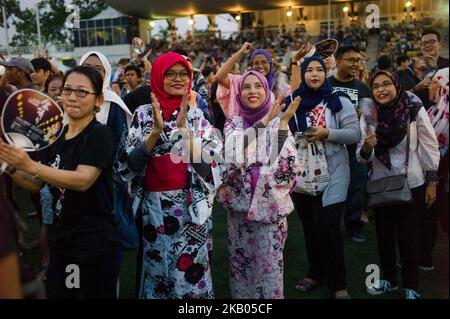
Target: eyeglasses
172,75
428,43
78,92
353,61
383,85
262,63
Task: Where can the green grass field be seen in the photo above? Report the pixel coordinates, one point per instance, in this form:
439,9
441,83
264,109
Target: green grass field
433,285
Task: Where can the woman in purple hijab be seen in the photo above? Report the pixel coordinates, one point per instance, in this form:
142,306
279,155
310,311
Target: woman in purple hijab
260,61
262,165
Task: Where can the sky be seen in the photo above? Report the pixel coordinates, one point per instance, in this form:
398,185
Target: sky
201,22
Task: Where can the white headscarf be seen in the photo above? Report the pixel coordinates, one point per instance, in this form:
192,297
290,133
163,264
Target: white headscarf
439,112
108,94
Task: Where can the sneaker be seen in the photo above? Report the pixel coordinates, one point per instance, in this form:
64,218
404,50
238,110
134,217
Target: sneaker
426,268
380,287
358,237
411,294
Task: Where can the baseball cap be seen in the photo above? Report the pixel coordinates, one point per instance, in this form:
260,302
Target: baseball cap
21,63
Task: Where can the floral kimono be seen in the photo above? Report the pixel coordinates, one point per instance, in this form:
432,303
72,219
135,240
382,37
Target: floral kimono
177,224
257,224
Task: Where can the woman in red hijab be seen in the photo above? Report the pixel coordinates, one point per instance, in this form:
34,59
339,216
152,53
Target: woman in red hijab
174,182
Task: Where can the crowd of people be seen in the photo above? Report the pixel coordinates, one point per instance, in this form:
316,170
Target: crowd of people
350,35
149,150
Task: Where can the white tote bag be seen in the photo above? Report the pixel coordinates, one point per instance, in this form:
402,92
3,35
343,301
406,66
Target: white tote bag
313,177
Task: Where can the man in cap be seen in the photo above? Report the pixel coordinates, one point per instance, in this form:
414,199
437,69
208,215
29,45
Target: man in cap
18,71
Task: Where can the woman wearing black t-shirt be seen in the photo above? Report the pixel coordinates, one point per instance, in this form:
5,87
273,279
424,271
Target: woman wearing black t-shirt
85,254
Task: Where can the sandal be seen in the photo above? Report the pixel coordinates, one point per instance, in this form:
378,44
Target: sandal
306,285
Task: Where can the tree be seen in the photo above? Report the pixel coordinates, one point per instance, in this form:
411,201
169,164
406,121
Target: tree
12,9
52,16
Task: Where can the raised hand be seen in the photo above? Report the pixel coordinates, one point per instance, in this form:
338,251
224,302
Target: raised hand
147,63
44,52
276,108
157,117
184,107
304,49
246,47
292,108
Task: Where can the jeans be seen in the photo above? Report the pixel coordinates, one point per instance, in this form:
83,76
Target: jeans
46,204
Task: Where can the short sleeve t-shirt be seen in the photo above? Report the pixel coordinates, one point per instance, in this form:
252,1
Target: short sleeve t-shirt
83,223
355,89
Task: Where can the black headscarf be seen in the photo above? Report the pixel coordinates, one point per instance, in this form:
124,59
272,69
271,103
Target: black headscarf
310,98
392,119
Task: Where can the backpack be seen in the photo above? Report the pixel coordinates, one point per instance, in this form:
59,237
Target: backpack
124,217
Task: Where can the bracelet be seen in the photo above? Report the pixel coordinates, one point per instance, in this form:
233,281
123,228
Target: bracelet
38,170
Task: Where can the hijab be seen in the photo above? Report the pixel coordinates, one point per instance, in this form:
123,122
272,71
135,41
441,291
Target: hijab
251,116
271,75
310,98
163,63
438,113
392,119
109,95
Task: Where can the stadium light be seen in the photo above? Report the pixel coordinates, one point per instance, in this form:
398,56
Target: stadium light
408,4
345,9
238,17
289,12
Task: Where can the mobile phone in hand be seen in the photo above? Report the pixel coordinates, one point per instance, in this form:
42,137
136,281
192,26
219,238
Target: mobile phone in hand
309,131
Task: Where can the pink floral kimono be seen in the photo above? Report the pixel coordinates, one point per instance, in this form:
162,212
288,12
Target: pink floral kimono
257,224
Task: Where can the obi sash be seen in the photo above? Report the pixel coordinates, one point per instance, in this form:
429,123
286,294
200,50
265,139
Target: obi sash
164,175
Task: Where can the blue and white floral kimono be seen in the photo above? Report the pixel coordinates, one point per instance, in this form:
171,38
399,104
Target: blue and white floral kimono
177,224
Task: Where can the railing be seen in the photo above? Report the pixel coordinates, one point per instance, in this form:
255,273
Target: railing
51,48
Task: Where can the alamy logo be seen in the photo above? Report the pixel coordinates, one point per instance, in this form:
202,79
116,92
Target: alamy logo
73,19
73,279
373,19
374,275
